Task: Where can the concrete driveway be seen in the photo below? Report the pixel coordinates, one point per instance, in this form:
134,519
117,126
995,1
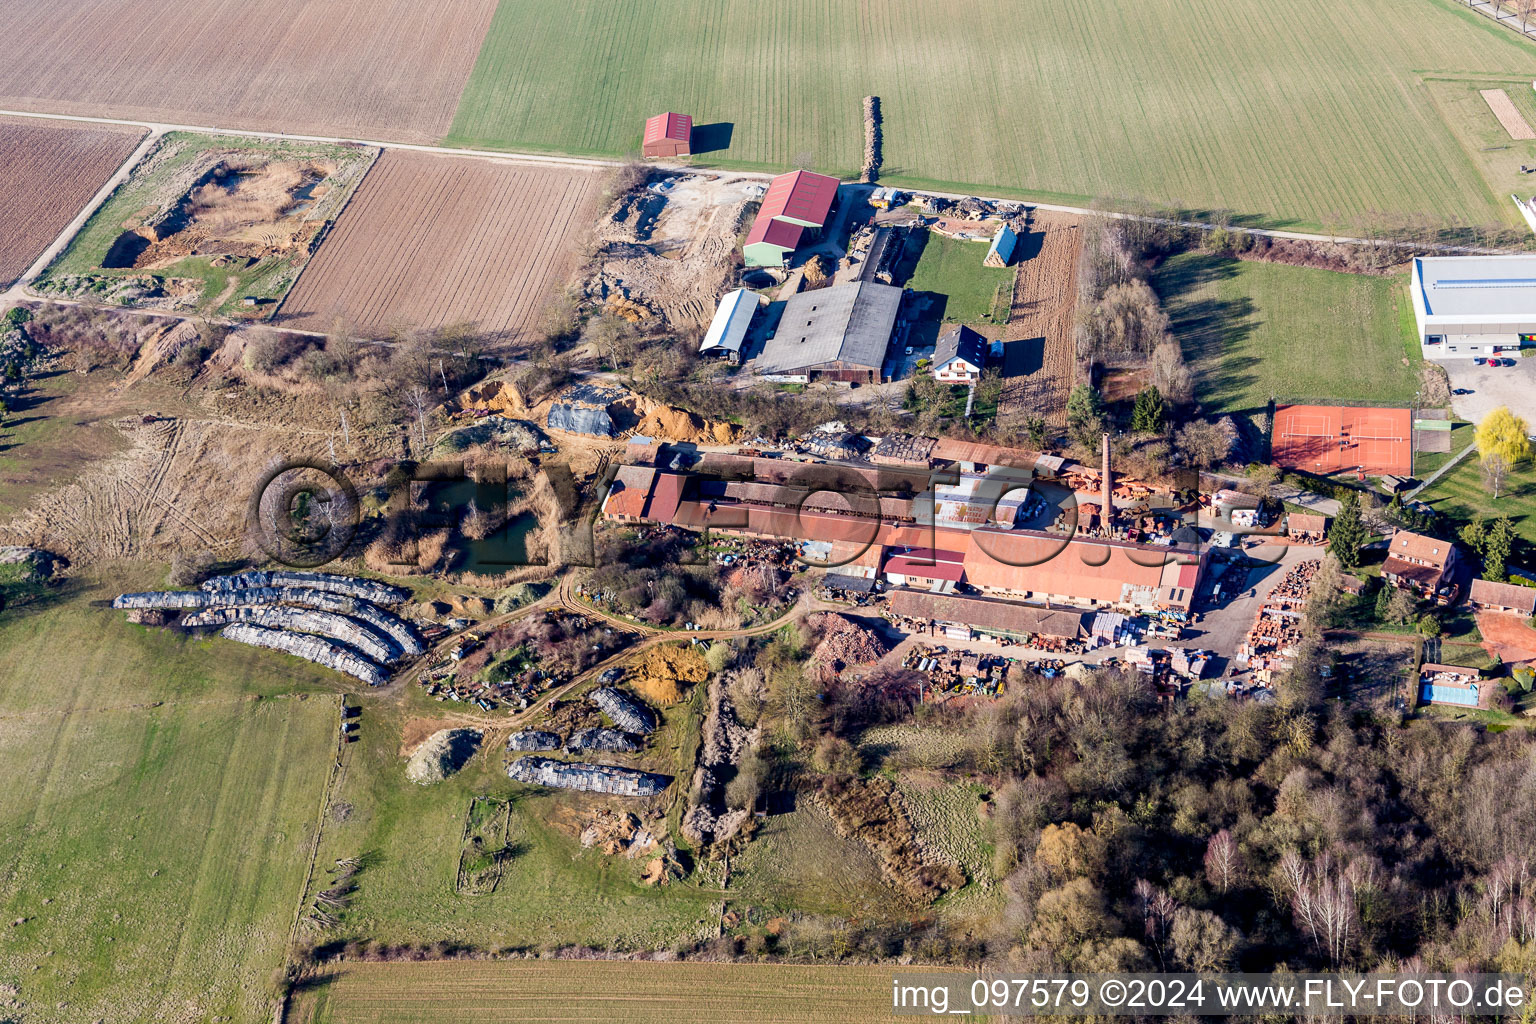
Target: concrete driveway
1223,625
1493,386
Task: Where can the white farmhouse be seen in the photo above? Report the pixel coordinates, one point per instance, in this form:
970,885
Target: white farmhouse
1471,306
959,357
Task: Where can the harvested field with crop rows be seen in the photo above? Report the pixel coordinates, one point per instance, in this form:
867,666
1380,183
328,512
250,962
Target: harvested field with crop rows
391,68
50,170
1302,113
431,241
584,990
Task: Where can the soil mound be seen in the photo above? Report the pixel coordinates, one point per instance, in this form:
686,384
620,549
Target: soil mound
442,755
492,431
611,831
845,643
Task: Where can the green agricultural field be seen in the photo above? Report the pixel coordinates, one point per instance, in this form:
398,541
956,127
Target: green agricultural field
1309,113
1255,331
972,294
159,817
573,990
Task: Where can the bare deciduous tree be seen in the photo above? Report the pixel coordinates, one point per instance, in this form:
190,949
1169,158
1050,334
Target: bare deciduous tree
1323,899
1223,864
1495,469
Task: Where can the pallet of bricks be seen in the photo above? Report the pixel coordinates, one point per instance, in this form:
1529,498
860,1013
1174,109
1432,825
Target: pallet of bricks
1271,645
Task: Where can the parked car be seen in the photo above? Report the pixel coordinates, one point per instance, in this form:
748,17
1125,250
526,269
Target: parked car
1480,361
1461,391
1509,362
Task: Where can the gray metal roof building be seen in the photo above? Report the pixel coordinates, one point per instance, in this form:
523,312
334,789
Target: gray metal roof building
838,333
1471,306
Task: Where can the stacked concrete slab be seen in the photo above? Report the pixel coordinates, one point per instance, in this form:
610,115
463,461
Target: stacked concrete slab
588,778
533,739
398,630
628,713
310,648
328,619
370,641
611,740
352,586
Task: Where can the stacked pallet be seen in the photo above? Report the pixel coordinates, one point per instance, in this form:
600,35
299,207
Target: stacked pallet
1272,644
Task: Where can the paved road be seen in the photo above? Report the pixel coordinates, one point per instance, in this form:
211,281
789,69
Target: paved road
1221,629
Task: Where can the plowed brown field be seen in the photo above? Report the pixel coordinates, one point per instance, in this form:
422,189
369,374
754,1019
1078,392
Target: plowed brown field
372,68
430,241
48,170
1043,314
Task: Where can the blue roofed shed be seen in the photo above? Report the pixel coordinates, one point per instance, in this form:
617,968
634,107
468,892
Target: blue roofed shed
1000,254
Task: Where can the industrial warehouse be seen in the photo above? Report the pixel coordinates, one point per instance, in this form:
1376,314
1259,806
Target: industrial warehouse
1467,307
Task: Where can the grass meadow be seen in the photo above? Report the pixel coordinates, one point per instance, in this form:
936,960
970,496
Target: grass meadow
975,295
1309,114
159,814
1461,497
1255,331
552,892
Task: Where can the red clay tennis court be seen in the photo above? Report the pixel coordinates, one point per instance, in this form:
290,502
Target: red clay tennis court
1327,439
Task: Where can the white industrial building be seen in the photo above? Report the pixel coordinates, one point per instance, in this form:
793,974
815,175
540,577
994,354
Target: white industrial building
1471,306
728,330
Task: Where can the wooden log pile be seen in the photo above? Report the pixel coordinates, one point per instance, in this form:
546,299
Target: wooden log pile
871,140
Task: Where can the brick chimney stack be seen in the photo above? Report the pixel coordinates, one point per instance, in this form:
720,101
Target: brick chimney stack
1108,512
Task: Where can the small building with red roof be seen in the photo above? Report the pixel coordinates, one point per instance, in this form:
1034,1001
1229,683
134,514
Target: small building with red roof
667,135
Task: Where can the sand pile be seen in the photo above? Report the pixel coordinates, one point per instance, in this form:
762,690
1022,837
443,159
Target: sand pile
497,396
661,674
612,831
669,423
443,754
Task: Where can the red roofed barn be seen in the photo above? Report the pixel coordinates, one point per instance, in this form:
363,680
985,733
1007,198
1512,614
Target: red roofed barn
668,135
796,206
